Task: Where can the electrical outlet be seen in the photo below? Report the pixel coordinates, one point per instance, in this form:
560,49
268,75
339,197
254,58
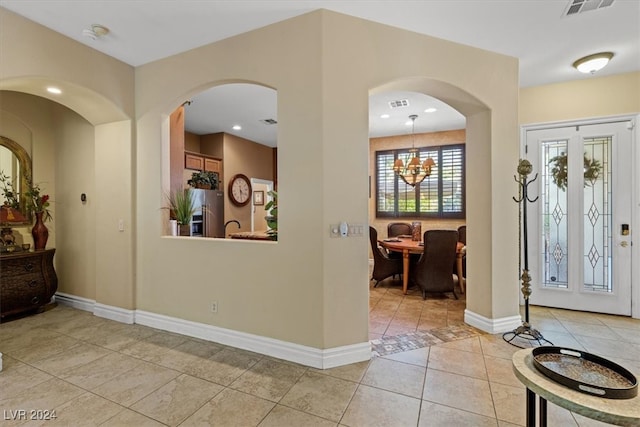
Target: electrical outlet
214,307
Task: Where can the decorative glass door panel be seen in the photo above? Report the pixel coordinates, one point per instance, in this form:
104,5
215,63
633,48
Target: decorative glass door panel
580,258
554,216
597,215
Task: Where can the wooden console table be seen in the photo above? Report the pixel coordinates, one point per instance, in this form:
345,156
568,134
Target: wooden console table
27,281
623,412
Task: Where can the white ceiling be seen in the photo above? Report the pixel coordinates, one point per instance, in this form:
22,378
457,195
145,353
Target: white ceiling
535,31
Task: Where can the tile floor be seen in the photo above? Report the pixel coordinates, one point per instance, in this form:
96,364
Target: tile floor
391,313
94,371
400,322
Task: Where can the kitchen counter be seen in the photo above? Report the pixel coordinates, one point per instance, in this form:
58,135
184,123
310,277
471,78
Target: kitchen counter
248,235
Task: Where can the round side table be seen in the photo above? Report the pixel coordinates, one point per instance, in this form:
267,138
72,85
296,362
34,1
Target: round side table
623,412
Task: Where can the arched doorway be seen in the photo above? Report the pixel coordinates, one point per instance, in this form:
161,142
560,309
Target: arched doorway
479,311
80,143
401,121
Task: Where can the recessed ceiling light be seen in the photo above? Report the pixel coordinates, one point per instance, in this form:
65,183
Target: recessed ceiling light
430,110
384,116
54,90
408,123
592,63
237,127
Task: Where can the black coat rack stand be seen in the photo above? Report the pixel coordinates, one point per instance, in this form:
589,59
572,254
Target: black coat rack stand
525,335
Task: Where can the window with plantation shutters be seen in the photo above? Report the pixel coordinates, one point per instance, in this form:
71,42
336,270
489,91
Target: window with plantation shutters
440,195
386,182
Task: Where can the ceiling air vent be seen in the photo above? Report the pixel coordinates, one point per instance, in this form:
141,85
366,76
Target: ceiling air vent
269,121
398,104
579,6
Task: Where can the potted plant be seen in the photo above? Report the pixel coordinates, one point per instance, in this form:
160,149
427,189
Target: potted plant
272,218
182,209
204,179
11,197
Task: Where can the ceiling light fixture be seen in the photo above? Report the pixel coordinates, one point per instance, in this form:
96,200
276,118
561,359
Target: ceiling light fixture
415,172
54,90
95,31
430,110
592,63
237,127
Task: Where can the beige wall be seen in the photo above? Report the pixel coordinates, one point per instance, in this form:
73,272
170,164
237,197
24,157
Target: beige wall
191,142
284,303
115,211
213,144
242,156
581,99
307,288
75,221
95,85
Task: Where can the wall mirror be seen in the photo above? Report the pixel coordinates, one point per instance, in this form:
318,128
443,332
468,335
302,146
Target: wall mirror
15,163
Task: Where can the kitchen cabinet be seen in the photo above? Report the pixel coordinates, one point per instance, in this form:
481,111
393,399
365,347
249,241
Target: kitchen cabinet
193,161
27,281
212,165
200,162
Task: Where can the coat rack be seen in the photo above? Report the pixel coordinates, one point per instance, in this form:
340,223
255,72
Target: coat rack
524,332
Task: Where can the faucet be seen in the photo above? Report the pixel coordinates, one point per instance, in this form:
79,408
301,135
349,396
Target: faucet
229,222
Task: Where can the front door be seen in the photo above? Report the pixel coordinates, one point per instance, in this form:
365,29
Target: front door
579,228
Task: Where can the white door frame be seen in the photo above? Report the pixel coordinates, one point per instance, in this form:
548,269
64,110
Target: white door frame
635,188
269,185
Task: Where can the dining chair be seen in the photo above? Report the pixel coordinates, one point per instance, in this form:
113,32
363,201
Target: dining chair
462,234
383,266
462,237
432,272
395,229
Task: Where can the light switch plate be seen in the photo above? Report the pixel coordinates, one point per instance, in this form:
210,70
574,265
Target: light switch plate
356,229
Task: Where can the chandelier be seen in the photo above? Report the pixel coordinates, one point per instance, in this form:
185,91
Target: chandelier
415,172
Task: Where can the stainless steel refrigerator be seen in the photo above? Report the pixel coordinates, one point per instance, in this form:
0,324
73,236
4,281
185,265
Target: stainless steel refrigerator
208,221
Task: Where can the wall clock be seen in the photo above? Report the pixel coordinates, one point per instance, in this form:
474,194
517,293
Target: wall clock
240,190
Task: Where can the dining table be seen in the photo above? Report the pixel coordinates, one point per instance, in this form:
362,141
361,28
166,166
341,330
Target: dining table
407,246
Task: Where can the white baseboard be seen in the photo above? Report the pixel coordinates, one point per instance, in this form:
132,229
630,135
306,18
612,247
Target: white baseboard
492,326
114,313
80,303
308,356
106,311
